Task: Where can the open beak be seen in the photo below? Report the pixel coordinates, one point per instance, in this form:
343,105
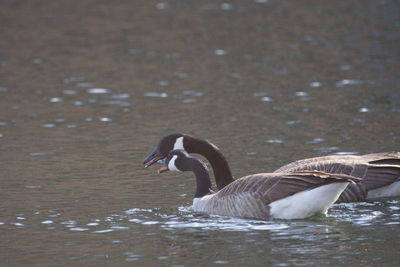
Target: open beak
153,157
162,169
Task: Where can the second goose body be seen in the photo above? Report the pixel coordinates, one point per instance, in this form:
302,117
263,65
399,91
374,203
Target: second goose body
262,196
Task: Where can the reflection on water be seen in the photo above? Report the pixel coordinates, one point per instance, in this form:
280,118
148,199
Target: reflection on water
334,238
358,214
86,90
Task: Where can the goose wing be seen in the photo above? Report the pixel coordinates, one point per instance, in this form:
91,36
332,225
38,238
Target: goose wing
250,196
376,170
275,186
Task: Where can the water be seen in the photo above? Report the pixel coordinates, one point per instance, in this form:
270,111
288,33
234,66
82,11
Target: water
86,90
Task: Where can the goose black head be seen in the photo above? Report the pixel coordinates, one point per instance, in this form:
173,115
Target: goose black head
166,144
177,160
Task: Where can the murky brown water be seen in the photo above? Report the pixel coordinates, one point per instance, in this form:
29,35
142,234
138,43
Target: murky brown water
86,90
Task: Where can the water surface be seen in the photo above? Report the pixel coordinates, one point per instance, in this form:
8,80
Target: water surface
87,89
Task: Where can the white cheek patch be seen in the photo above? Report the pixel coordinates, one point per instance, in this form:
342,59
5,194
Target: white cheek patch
179,144
171,164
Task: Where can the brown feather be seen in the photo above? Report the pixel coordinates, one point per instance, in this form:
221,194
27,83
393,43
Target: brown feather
376,170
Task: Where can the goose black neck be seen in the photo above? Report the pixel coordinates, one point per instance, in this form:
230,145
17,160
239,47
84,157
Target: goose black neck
203,182
222,172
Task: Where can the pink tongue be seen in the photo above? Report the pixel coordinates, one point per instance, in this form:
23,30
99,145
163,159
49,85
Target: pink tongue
163,169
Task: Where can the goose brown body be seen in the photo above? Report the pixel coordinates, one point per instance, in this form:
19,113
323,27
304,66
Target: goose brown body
376,171
263,196
252,196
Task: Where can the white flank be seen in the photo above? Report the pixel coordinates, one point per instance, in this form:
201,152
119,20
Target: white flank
385,191
179,144
307,203
171,164
200,204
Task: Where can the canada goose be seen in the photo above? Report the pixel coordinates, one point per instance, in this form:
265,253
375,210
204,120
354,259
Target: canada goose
263,196
379,172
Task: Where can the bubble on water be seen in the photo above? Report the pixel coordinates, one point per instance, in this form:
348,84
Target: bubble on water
150,222
220,52
266,99
84,84
274,141
119,227
3,89
47,222
327,149
3,123
103,231
48,125
92,224
301,94
163,257
1,135
38,154
130,256
71,126
261,1
70,92
20,218
37,60
348,82
189,100
88,119
118,103
32,186
316,141
69,223
345,67
18,224
120,96
56,100
363,110
135,220
137,210
2,223
346,153
221,262
226,6
78,229
163,83
155,94
104,119
192,93
292,122
73,79
98,91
